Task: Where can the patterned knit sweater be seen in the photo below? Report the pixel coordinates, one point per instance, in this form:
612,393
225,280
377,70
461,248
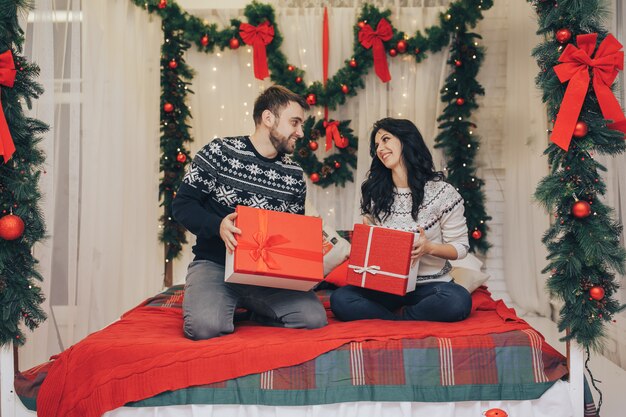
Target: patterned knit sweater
441,216
229,172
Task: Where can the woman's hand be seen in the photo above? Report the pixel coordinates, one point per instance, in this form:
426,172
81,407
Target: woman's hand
421,247
228,230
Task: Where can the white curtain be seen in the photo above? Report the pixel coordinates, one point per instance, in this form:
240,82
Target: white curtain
100,71
120,259
525,140
225,90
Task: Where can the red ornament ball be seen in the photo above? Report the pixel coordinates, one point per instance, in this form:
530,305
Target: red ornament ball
417,51
495,412
353,63
181,157
11,227
168,107
298,80
401,46
337,164
162,4
233,43
204,40
581,209
581,129
311,99
173,64
313,145
315,177
458,63
563,35
596,292
460,101
345,89
393,52
343,142
290,68
361,24
477,234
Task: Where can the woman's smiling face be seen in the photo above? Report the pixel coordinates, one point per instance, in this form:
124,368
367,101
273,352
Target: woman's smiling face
388,149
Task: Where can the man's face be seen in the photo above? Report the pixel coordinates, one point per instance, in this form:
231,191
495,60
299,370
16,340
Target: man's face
287,128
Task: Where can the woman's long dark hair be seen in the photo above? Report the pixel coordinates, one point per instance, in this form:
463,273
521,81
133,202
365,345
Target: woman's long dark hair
377,189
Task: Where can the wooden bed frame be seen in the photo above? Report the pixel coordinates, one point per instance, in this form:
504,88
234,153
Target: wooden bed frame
11,405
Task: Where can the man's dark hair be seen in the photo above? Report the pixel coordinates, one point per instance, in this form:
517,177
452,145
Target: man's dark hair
274,99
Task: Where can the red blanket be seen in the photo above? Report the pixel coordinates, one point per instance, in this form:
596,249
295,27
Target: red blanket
145,353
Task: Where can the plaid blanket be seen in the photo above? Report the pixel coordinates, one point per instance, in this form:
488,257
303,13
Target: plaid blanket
513,365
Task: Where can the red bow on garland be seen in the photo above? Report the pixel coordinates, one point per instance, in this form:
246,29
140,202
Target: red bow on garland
374,39
7,78
574,67
332,134
258,37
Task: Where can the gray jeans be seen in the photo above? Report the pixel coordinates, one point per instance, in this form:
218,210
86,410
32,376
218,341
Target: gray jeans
209,304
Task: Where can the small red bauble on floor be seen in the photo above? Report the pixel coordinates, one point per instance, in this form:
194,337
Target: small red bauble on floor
477,234
581,209
495,412
315,177
313,145
581,129
11,227
596,292
233,43
563,35
168,107
181,157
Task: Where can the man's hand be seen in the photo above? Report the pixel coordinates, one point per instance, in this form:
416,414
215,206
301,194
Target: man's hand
228,230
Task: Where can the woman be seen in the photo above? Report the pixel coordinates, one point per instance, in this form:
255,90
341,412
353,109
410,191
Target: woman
403,191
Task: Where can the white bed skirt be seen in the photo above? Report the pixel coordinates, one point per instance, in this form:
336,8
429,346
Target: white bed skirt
553,403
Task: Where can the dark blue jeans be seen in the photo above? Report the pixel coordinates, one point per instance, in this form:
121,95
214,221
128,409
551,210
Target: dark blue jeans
437,301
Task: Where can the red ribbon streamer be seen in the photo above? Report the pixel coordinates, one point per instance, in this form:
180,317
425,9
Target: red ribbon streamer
7,78
574,67
325,52
263,246
258,37
374,39
332,133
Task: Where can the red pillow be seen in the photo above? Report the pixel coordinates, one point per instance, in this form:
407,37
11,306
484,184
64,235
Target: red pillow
338,275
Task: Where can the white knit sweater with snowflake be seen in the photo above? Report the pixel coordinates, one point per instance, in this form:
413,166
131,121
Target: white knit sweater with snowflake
441,216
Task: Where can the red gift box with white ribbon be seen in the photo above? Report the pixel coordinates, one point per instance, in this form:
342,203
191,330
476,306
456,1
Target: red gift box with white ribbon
380,259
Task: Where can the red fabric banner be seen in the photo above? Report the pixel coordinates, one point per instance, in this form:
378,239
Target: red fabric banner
371,38
258,37
575,63
7,78
325,52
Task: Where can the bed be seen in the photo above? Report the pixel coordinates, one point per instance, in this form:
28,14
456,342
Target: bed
142,365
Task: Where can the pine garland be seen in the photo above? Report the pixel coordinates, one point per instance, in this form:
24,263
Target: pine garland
181,28
584,251
20,296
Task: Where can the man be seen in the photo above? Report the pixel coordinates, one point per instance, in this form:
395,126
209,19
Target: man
252,171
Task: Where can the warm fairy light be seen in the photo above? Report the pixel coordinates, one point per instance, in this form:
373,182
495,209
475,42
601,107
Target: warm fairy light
214,69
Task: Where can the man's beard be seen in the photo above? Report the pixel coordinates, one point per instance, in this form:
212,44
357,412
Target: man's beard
280,142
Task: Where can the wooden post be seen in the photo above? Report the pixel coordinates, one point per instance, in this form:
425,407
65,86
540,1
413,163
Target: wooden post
169,270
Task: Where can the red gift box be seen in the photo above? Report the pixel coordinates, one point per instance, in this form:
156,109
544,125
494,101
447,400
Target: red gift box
276,249
380,259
